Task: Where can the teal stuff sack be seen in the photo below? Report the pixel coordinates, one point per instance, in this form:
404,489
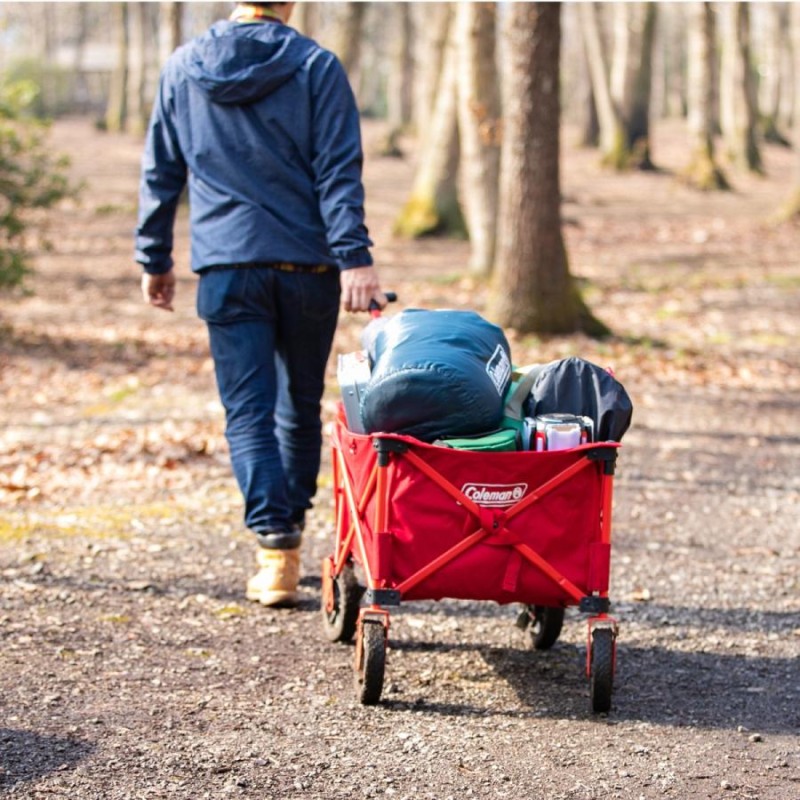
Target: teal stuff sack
500,441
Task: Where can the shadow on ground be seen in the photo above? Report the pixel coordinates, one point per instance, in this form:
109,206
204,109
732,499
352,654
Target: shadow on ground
26,756
656,684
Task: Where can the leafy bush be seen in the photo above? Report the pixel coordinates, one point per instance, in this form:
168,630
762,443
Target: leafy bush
31,177
56,87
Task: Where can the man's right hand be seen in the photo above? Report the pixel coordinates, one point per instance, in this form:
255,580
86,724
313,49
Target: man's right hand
360,286
159,290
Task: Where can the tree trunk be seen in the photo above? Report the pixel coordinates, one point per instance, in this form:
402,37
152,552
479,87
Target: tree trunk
589,125
305,18
789,79
624,45
170,29
347,39
137,69
791,209
737,96
81,92
400,80
46,27
638,118
433,22
433,207
772,85
612,133
532,289
631,77
116,112
703,171
479,128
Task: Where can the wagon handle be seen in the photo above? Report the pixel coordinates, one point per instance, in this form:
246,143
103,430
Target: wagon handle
375,309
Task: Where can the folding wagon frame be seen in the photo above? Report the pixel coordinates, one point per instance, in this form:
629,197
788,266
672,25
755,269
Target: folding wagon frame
342,611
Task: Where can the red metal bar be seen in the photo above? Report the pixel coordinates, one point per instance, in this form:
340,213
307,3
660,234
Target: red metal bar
382,538
359,536
607,490
441,560
345,544
547,487
551,572
337,493
344,550
441,481
381,499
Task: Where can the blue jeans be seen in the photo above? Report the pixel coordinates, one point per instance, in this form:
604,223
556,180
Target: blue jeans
270,333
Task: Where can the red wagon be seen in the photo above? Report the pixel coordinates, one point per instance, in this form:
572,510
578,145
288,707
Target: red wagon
428,522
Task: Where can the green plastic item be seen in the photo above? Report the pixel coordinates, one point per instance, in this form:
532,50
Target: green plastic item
499,441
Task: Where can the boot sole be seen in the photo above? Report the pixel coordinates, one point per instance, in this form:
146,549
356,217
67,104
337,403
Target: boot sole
274,599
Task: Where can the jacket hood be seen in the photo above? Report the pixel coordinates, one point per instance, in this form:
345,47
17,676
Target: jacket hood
236,63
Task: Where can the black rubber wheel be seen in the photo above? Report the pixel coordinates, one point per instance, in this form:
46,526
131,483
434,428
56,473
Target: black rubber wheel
369,678
547,622
340,622
601,669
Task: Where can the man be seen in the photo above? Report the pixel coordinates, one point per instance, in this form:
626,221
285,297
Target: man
262,125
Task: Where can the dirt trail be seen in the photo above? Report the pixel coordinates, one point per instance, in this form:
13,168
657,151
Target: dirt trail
131,667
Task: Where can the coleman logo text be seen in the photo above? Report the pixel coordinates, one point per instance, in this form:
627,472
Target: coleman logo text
497,495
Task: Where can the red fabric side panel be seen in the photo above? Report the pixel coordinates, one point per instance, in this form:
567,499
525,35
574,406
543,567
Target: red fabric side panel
563,527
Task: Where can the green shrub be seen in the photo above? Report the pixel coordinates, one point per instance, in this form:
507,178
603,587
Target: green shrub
31,177
55,87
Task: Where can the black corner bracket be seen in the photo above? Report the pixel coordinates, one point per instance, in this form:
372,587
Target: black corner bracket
594,605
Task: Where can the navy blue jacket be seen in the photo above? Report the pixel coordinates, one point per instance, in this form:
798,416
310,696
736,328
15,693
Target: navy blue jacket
262,123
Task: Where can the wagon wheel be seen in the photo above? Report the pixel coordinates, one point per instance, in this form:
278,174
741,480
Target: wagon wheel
340,605
370,662
601,669
546,625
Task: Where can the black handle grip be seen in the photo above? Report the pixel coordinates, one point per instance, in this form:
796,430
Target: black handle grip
391,297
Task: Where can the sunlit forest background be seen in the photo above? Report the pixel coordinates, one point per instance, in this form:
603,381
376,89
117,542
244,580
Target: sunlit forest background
467,87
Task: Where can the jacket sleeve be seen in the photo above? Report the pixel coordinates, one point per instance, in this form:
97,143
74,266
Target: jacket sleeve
337,160
162,180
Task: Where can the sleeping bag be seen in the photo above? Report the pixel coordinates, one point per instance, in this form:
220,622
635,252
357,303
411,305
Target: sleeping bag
435,374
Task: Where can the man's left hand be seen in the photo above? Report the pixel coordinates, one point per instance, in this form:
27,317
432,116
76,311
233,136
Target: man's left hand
360,286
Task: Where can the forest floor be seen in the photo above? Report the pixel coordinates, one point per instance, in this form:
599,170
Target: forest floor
132,667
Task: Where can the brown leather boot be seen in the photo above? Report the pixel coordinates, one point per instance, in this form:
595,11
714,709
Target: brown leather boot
275,584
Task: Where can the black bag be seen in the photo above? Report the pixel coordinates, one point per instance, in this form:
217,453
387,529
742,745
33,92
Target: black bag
574,386
435,374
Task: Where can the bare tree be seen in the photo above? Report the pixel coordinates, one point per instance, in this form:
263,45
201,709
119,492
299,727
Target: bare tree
399,89
136,121
589,124
116,111
791,209
432,21
305,18
622,90
401,75
637,112
170,29
631,77
347,38
738,102
772,85
433,206
703,170
532,289
612,131
479,127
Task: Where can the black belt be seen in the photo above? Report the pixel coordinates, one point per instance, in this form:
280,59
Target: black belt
283,266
